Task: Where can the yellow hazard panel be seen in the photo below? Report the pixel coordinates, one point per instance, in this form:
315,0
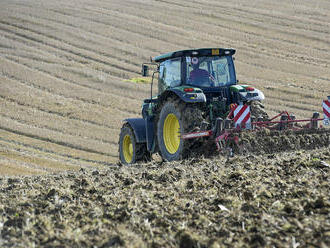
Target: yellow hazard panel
215,52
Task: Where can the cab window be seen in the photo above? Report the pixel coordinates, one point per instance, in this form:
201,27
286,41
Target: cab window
170,74
210,71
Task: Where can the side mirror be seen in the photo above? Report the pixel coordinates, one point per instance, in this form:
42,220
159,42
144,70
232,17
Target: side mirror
145,71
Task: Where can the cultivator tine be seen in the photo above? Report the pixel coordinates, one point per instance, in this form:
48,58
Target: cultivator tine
283,124
291,124
228,124
314,121
204,125
219,127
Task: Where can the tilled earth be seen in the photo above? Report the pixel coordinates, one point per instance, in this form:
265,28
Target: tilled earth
266,141
277,200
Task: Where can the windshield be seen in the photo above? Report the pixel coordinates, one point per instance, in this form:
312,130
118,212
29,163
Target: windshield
213,71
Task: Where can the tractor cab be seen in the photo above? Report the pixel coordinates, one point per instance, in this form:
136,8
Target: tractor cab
205,76
201,68
198,76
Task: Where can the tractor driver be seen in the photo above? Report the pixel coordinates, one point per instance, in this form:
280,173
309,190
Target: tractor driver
197,75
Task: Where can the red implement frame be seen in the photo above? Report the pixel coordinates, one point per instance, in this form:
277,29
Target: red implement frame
286,122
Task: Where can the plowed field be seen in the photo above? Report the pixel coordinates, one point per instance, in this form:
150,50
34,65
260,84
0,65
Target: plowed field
64,90
256,201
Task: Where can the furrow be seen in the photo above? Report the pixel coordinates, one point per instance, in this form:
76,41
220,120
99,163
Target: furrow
270,55
90,87
45,127
67,53
130,88
146,16
72,47
50,140
90,33
59,114
118,41
148,38
43,159
42,148
16,167
86,57
56,91
234,17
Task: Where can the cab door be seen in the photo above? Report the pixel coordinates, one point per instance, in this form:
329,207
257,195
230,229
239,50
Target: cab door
169,74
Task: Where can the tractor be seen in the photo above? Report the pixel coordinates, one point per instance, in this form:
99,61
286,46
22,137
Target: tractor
196,89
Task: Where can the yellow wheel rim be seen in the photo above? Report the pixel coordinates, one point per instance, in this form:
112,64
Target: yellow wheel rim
171,133
128,149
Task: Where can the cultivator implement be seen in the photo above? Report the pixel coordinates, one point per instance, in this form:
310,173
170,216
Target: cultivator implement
240,133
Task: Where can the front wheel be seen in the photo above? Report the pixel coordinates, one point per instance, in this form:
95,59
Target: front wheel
131,152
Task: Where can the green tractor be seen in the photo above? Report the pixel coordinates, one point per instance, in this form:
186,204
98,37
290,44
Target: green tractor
195,87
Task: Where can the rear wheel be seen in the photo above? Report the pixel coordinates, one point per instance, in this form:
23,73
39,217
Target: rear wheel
171,133
131,152
176,118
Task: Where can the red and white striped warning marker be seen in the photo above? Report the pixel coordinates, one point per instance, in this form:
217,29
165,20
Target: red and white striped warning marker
242,116
326,111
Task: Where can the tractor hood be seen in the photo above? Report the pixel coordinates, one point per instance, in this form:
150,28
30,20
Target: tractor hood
248,93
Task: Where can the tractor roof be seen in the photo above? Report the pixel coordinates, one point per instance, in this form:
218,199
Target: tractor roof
195,53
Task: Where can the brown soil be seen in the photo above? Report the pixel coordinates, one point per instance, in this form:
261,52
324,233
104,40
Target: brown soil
266,141
276,200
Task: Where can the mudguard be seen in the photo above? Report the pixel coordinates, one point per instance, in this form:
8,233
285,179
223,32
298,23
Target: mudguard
196,96
143,130
139,127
